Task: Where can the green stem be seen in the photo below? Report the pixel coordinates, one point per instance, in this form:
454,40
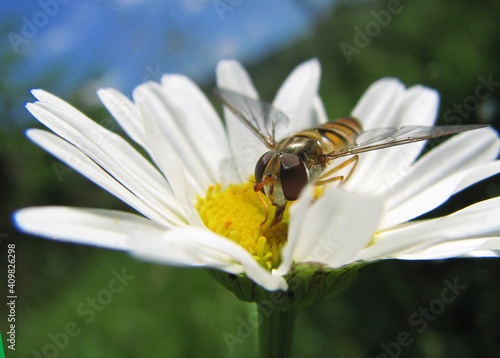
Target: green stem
275,331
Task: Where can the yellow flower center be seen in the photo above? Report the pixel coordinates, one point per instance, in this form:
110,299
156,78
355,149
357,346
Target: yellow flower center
237,213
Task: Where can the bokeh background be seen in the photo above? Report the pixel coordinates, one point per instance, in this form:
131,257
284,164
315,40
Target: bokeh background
73,47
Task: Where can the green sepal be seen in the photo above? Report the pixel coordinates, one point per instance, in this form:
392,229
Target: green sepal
307,284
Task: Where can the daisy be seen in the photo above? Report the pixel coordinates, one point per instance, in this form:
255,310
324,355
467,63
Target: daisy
196,200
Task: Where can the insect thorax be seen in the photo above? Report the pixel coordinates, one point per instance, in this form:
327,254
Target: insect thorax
308,150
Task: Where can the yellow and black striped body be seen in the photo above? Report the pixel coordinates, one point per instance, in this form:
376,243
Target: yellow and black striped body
315,145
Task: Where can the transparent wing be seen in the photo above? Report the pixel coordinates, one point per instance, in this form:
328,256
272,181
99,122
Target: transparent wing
390,137
260,117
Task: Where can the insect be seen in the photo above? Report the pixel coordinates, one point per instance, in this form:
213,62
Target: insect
303,158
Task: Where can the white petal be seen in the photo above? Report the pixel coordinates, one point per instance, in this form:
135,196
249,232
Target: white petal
437,193
460,152
379,103
245,145
476,221
156,111
107,149
419,107
298,212
64,151
126,113
296,95
199,247
201,126
319,112
492,245
232,75
346,235
104,228
445,250
377,108
342,237
482,253
491,248
185,186
416,106
330,232
313,225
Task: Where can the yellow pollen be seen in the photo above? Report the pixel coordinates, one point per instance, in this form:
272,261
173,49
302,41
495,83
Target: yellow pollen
236,213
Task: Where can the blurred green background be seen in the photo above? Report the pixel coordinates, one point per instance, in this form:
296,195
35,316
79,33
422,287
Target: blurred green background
172,312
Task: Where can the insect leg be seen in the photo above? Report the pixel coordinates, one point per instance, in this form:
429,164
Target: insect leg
340,178
278,216
259,195
323,179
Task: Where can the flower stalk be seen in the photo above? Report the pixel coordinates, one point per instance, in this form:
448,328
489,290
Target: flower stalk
276,328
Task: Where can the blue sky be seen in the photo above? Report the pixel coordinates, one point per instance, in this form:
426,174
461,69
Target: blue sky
62,45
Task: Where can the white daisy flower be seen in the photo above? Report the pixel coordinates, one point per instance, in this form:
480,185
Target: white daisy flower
197,203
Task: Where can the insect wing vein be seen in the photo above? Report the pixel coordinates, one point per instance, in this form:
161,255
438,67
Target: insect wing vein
390,137
260,117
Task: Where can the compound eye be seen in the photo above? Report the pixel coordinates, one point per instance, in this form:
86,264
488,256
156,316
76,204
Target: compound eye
293,176
261,165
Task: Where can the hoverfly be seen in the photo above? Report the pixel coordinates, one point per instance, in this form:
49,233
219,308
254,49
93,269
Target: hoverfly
293,162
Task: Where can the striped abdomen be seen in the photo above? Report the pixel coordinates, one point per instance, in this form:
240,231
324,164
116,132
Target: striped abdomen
333,135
